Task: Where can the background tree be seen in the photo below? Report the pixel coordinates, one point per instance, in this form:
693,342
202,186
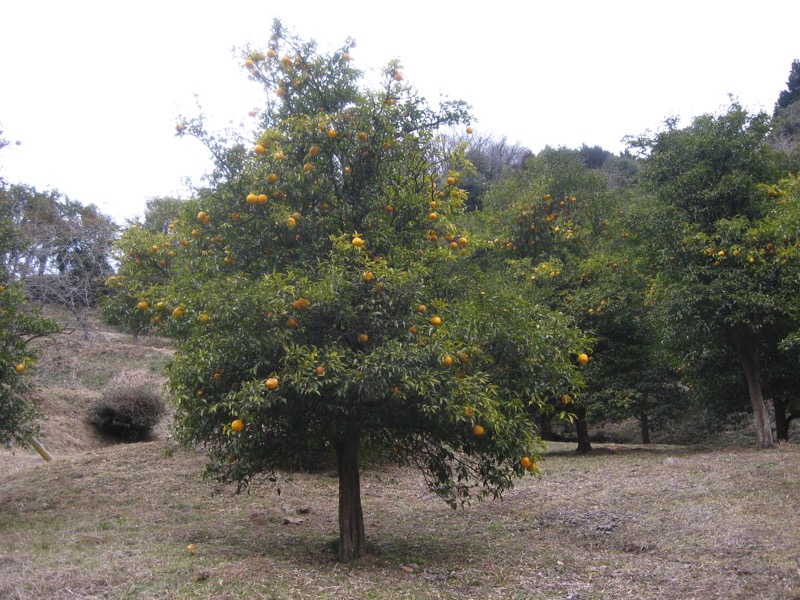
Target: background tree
792,92
326,297
64,249
720,268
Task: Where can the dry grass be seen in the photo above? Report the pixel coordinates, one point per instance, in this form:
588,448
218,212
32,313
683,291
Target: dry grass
107,521
656,523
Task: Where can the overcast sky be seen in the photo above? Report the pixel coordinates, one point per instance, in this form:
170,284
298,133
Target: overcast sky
92,90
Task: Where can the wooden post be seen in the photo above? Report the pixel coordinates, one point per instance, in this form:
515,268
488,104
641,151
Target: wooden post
41,449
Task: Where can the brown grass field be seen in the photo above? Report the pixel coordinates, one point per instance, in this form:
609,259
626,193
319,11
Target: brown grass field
115,521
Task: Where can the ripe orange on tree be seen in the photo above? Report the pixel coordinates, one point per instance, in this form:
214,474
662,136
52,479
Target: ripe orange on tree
20,368
583,358
447,361
526,462
237,425
363,338
272,383
478,430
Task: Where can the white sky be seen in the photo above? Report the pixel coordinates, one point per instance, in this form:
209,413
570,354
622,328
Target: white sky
92,90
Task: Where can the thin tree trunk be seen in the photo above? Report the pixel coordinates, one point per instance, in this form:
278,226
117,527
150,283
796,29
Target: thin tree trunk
782,420
645,428
546,427
748,357
582,429
352,541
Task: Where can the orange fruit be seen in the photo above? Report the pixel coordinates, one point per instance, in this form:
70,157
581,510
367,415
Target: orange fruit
272,383
367,276
362,136
363,338
433,216
291,323
272,178
252,198
291,222
398,76
447,361
203,318
469,130
436,321
300,303
314,150
358,242
179,127
142,305
20,368
478,430
259,149
237,425
462,241
526,462
451,181
583,358
178,312
332,134
468,412
320,371
566,399
262,198
422,308
308,167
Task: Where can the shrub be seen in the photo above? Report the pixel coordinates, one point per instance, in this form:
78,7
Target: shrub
130,407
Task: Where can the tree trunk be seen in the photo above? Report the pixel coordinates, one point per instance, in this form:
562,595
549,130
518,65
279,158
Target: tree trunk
546,427
748,357
582,429
782,420
352,541
645,428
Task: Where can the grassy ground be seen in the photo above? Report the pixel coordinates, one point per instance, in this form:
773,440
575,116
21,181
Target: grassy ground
115,521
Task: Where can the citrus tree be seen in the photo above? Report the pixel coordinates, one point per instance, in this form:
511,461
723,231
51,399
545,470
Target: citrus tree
18,326
723,271
326,298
